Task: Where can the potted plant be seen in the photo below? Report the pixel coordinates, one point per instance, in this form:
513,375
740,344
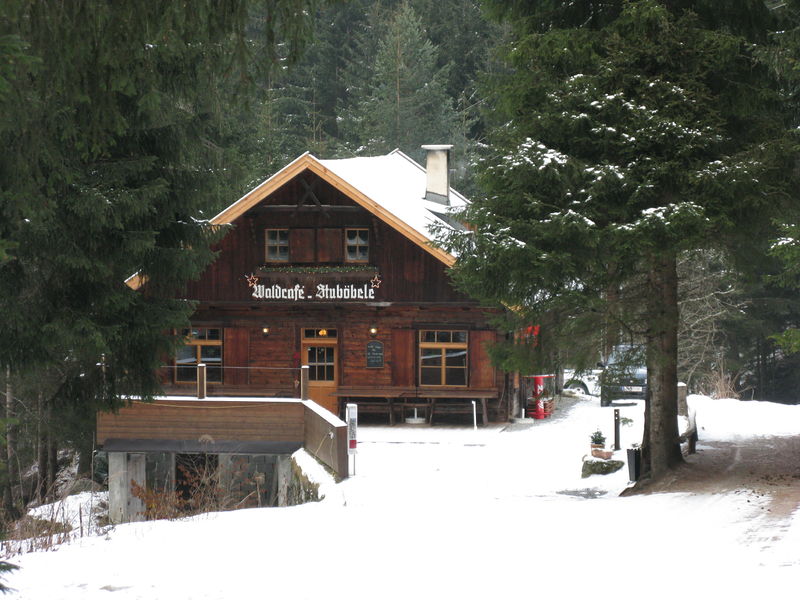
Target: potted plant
598,445
598,439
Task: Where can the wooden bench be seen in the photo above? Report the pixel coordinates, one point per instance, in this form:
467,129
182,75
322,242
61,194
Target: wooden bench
454,401
462,406
374,400
388,406
392,400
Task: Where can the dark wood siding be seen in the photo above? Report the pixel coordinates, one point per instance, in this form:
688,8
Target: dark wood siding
403,357
316,237
189,420
482,373
236,356
326,439
330,245
301,246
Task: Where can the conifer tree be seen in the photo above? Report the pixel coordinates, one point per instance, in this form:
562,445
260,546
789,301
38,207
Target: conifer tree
405,103
625,133
113,128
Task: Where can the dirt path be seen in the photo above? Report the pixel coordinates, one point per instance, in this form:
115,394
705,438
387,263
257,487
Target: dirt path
764,466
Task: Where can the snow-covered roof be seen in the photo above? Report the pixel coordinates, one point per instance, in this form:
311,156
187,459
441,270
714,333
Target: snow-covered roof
397,183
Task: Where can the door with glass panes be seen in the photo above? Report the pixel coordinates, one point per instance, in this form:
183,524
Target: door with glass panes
319,352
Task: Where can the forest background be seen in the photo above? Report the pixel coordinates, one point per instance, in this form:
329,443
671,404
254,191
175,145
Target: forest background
336,79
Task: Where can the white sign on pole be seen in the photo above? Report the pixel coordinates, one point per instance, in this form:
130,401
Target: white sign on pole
351,418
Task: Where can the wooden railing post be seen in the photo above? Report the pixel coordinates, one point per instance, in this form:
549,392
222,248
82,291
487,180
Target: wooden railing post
201,381
304,382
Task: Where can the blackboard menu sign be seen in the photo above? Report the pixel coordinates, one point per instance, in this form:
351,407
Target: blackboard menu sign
374,355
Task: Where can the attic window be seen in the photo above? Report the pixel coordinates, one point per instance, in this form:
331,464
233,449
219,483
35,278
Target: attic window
356,245
277,245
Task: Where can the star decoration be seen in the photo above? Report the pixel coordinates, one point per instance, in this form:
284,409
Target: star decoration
252,280
376,281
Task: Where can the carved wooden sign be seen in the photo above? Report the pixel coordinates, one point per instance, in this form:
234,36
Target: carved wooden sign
320,291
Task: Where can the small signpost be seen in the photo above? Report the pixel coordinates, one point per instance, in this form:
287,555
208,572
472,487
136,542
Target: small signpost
351,418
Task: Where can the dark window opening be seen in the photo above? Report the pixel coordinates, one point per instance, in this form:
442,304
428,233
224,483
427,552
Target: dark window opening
196,480
203,346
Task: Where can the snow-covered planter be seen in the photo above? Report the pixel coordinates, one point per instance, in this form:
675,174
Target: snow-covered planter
600,467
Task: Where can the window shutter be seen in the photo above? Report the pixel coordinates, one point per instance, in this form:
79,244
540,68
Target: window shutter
236,353
330,245
482,372
403,359
301,245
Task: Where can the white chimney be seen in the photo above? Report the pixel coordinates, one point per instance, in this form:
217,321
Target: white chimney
438,169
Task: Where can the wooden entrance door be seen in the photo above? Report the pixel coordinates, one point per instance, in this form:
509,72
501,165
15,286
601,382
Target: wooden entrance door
320,353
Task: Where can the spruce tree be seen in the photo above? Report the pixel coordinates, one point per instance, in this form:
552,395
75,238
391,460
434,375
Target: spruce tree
405,103
625,132
113,127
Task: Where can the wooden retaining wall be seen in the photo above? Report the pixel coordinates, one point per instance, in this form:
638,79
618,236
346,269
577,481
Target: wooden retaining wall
230,420
326,437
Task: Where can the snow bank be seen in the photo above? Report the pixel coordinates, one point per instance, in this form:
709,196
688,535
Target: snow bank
729,419
449,512
78,510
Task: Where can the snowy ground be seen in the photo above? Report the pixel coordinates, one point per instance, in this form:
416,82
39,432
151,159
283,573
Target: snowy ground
448,512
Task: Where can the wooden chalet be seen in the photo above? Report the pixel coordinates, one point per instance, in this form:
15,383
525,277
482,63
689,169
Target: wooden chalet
329,263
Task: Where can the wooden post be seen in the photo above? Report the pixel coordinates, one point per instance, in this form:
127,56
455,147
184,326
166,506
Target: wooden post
201,381
304,382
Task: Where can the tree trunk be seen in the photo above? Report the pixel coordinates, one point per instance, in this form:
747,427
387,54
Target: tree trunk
13,499
663,445
41,448
611,326
52,459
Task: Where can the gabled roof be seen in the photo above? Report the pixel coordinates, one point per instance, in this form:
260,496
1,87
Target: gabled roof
392,187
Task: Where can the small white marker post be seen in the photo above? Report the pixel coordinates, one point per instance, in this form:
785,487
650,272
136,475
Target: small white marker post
474,416
351,418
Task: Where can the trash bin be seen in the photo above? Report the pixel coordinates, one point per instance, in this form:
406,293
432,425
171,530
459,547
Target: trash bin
634,463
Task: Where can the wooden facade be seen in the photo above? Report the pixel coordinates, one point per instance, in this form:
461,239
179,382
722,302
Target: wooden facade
317,271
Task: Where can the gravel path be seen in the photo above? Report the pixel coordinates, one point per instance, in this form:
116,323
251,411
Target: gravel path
763,466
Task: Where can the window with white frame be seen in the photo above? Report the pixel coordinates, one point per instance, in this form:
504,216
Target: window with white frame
443,357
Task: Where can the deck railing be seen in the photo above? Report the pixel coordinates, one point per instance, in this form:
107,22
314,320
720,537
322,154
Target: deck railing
322,433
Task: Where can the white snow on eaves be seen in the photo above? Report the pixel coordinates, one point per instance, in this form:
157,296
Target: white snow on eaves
397,183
